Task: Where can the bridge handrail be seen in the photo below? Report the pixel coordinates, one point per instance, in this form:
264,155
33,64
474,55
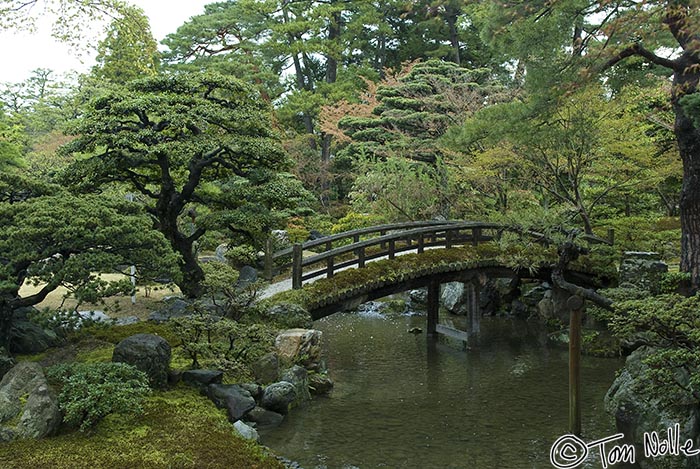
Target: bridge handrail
418,230
359,232
457,226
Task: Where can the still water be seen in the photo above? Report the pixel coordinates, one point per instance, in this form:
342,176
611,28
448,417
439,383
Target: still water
400,402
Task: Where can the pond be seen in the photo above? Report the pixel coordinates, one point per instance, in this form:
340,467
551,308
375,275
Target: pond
404,401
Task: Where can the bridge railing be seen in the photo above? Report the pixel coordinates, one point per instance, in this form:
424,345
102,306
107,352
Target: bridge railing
393,239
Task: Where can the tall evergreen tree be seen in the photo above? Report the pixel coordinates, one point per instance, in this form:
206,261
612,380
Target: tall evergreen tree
129,50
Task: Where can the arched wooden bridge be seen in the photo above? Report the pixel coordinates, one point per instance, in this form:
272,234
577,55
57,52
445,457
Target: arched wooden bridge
473,259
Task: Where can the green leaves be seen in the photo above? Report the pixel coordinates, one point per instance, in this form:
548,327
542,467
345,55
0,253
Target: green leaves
64,240
671,325
91,391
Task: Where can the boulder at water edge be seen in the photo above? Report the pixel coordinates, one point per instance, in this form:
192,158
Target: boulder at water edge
264,418
28,407
246,431
299,377
320,384
147,352
267,368
277,397
236,400
302,346
635,414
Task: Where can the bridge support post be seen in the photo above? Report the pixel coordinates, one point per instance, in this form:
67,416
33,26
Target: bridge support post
575,303
473,309
296,266
433,306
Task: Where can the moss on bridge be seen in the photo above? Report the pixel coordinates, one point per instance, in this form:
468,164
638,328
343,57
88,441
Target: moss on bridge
531,257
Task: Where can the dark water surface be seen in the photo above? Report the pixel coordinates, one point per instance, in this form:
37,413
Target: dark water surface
401,403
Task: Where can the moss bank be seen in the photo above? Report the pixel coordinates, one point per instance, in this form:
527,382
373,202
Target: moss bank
178,429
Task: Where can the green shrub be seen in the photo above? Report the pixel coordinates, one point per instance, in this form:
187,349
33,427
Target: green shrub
91,391
231,300
243,254
660,235
671,282
671,325
354,221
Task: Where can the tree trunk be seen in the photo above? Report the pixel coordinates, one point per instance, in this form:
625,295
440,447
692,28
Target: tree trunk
689,146
6,314
451,15
688,138
192,274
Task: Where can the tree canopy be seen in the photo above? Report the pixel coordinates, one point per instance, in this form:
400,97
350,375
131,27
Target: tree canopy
175,140
52,239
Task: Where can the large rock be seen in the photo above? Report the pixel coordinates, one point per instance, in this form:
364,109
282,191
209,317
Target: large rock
267,368
254,389
176,308
320,384
635,414
246,276
236,400
264,418
643,270
454,298
280,238
147,352
202,378
77,319
28,408
315,234
277,397
30,338
553,305
220,253
290,315
246,431
299,377
417,299
496,296
300,346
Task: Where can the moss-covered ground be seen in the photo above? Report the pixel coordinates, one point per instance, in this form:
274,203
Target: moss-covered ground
178,429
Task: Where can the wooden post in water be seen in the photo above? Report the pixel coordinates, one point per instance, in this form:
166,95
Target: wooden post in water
575,303
433,306
296,266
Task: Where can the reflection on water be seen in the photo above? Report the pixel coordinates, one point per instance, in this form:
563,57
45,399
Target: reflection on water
400,402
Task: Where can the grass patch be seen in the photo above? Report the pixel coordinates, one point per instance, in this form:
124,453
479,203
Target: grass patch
178,429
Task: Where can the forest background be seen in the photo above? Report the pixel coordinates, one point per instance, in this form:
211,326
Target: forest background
570,113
